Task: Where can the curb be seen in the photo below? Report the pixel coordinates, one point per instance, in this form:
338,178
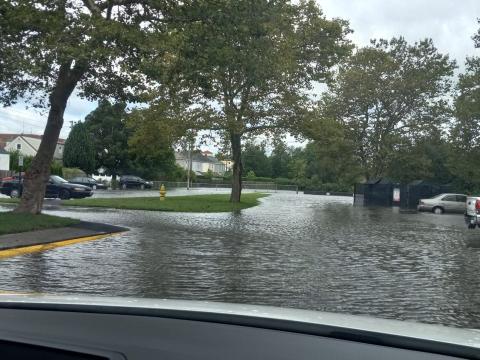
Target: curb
41,240
48,246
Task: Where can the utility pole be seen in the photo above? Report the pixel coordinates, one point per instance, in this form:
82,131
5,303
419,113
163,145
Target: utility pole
189,165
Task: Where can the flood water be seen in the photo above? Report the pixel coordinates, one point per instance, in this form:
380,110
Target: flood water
301,251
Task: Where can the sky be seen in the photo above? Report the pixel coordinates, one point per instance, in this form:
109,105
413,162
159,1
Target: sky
450,23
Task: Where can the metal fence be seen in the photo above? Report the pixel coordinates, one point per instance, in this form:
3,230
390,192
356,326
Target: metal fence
264,186
413,192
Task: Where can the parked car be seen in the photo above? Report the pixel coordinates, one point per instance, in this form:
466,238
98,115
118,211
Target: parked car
453,203
12,177
57,187
88,181
134,182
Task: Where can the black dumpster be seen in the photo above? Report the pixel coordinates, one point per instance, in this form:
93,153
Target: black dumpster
377,192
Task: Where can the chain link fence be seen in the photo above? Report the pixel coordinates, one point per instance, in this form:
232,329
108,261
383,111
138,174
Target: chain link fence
263,186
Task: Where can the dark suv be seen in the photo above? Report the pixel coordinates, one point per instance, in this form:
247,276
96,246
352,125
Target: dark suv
56,188
134,182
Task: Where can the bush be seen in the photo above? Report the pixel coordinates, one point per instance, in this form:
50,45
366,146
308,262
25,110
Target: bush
284,181
329,187
70,173
27,160
56,168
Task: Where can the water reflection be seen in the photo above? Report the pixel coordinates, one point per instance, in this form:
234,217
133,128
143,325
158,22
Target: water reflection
300,251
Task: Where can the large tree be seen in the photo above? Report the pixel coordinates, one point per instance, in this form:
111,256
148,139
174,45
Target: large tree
150,144
251,64
280,159
79,150
48,48
107,126
255,159
465,135
387,95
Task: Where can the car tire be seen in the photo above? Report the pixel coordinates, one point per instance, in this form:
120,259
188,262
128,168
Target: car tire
14,194
438,210
124,186
472,226
64,195
142,187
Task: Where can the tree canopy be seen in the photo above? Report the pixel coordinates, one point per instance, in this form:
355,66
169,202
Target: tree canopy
247,65
79,151
107,127
387,97
48,48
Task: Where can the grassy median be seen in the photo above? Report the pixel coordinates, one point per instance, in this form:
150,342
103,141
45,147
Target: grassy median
11,223
191,203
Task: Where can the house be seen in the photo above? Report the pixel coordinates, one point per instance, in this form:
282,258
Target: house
202,162
28,144
4,160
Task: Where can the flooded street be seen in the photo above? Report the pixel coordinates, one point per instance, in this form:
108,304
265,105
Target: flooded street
301,251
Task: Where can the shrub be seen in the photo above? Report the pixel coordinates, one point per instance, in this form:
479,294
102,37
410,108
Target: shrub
56,168
69,173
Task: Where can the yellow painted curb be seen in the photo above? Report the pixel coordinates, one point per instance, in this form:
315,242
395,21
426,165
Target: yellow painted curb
43,247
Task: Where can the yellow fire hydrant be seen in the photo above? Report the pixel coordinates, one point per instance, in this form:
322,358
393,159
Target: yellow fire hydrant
163,192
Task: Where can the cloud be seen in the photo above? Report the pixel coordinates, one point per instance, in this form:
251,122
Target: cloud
449,23
23,118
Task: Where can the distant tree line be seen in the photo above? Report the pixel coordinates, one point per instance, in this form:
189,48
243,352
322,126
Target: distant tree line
113,142
238,68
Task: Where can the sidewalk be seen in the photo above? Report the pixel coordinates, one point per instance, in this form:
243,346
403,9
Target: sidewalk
41,237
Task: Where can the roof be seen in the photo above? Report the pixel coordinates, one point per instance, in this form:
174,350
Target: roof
3,151
6,138
197,156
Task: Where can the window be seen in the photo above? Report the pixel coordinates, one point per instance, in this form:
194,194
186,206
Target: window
19,146
449,198
461,198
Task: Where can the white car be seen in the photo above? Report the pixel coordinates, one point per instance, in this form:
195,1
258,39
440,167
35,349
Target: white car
454,203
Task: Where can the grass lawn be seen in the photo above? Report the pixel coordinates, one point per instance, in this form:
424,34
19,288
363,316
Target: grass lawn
191,203
11,223
8,200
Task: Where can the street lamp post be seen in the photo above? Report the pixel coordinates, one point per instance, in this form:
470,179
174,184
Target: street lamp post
20,165
189,165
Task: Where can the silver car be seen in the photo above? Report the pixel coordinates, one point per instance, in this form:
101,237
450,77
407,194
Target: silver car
453,203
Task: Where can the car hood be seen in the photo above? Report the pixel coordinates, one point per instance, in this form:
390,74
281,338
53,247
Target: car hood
249,315
73,185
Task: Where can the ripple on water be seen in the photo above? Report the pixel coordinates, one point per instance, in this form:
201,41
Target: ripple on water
311,252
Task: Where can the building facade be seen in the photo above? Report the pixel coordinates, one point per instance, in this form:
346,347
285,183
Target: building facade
28,144
202,162
4,160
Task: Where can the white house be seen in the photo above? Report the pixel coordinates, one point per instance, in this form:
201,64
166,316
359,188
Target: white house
28,144
4,160
201,162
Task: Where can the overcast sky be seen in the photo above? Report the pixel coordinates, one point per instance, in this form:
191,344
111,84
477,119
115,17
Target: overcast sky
450,23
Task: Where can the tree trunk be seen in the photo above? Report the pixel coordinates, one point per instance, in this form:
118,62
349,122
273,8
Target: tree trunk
36,177
237,167
113,182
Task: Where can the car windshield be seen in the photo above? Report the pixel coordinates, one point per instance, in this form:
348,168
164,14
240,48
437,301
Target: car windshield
58,179
307,154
